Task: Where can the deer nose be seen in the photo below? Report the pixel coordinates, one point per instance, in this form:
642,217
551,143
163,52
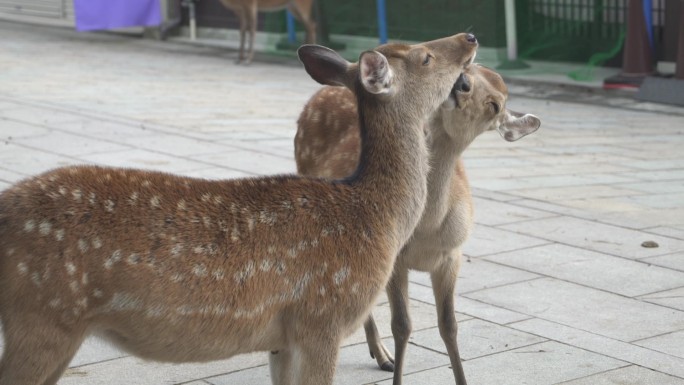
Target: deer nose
471,38
462,84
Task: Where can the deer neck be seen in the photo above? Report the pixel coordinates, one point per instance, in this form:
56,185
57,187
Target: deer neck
393,165
445,151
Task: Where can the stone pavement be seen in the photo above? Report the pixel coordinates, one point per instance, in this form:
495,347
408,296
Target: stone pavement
556,287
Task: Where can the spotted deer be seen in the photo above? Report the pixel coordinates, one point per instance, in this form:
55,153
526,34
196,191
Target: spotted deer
327,145
246,11
177,269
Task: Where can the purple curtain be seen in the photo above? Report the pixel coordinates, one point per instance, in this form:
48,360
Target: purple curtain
113,14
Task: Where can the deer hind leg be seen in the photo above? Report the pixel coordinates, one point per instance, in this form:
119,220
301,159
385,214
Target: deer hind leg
443,286
302,11
36,355
252,19
377,349
242,17
281,365
397,292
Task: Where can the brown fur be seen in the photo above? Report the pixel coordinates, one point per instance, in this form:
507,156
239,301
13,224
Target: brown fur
246,11
178,269
327,144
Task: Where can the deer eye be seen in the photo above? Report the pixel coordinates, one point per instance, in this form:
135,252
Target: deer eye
428,57
495,106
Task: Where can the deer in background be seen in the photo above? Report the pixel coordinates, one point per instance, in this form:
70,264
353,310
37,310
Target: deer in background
327,145
177,269
246,11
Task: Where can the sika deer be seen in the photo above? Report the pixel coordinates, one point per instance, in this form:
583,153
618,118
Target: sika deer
246,11
178,269
327,144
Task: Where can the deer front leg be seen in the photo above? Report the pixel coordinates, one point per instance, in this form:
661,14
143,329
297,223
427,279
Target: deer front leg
281,367
443,286
397,292
377,348
317,361
36,356
302,11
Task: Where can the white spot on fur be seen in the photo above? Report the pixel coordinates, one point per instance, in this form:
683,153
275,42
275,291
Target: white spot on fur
97,243
321,291
97,293
341,275
155,202
235,235
176,277
181,205
59,234
134,259
22,268
62,190
77,195
83,245
176,250
206,197
242,276
73,285
268,217
200,270
133,199
146,183
91,198
84,279
70,268
35,278
218,274
83,302
45,228
55,303
109,205
218,200
355,287
114,258
207,221
266,265
30,225
292,252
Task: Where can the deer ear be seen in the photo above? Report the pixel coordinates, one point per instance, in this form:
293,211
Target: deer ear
517,125
325,65
375,72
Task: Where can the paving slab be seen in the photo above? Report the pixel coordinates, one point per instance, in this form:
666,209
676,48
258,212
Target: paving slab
479,274
493,213
672,261
569,304
630,375
609,347
591,235
476,338
671,343
588,268
486,240
133,371
543,363
671,298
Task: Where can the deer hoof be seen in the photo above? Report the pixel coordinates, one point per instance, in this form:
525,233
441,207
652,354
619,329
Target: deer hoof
387,366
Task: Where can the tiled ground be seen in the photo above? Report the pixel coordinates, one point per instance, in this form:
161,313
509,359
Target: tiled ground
557,288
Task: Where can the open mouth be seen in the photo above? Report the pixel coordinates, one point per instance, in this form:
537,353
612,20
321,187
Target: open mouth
462,85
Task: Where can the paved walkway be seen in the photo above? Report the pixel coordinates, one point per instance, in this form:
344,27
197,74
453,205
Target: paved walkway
557,287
